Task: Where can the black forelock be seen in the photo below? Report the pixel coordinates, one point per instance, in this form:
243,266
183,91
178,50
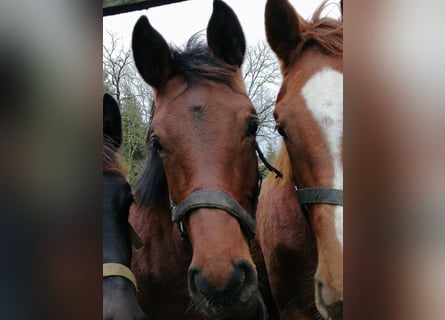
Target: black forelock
196,63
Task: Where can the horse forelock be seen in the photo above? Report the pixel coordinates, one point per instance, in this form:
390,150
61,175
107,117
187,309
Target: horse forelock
196,63
325,32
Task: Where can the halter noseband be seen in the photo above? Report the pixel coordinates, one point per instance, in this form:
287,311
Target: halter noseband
318,196
216,200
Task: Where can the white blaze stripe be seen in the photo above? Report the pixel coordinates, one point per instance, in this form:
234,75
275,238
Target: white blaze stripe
323,94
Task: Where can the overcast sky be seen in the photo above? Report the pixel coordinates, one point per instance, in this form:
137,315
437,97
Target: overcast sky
177,22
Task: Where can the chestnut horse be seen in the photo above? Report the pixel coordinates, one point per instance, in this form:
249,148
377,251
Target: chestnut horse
201,173
300,218
119,296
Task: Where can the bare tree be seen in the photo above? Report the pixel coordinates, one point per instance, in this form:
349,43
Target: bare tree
142,92
116,66
122,79
262,77
134,98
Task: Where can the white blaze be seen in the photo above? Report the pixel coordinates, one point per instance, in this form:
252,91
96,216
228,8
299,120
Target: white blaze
323,94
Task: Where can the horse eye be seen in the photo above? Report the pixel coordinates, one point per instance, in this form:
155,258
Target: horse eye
281,132
156,146
252,127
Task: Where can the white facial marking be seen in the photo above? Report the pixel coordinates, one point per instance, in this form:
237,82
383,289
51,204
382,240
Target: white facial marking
323,94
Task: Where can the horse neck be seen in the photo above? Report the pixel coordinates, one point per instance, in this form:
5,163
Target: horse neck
153,223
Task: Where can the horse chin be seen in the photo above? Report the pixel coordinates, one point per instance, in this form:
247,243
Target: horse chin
224,309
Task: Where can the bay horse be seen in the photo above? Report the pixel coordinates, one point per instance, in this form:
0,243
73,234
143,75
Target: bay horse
300,218
198,191
119,296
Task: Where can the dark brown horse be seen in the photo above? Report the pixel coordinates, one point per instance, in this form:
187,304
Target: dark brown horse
202,173
302,240
119,296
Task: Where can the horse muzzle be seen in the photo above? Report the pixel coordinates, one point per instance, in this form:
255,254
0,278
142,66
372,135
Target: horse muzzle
330,308
238,299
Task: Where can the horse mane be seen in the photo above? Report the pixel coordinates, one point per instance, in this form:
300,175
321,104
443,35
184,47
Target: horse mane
197,63
152,184
323,31
112,160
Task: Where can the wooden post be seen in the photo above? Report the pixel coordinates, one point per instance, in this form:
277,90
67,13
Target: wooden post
111,7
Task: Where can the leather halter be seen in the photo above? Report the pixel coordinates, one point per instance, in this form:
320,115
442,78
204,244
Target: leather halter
136,240
318,196
217,200
220,200
117,269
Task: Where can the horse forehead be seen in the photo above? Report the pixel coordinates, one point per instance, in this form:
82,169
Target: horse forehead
311,62
323,94
213,93
204,100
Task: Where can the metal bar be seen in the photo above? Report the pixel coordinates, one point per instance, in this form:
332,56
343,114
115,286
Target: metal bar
112,7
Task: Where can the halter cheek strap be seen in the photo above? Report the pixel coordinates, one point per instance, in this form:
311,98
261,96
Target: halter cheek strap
271,168
136,241
117,269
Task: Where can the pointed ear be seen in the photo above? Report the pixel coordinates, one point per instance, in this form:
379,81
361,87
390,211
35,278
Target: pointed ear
112,124
282,28
225,36
151,54
341,7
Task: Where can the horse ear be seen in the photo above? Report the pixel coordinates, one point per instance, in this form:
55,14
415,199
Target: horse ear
341,7
282,28
112,124
151,54
225,36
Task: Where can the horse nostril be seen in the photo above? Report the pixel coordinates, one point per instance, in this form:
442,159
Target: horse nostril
318,284
240,277
318,291
237,279
243,280
198,283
